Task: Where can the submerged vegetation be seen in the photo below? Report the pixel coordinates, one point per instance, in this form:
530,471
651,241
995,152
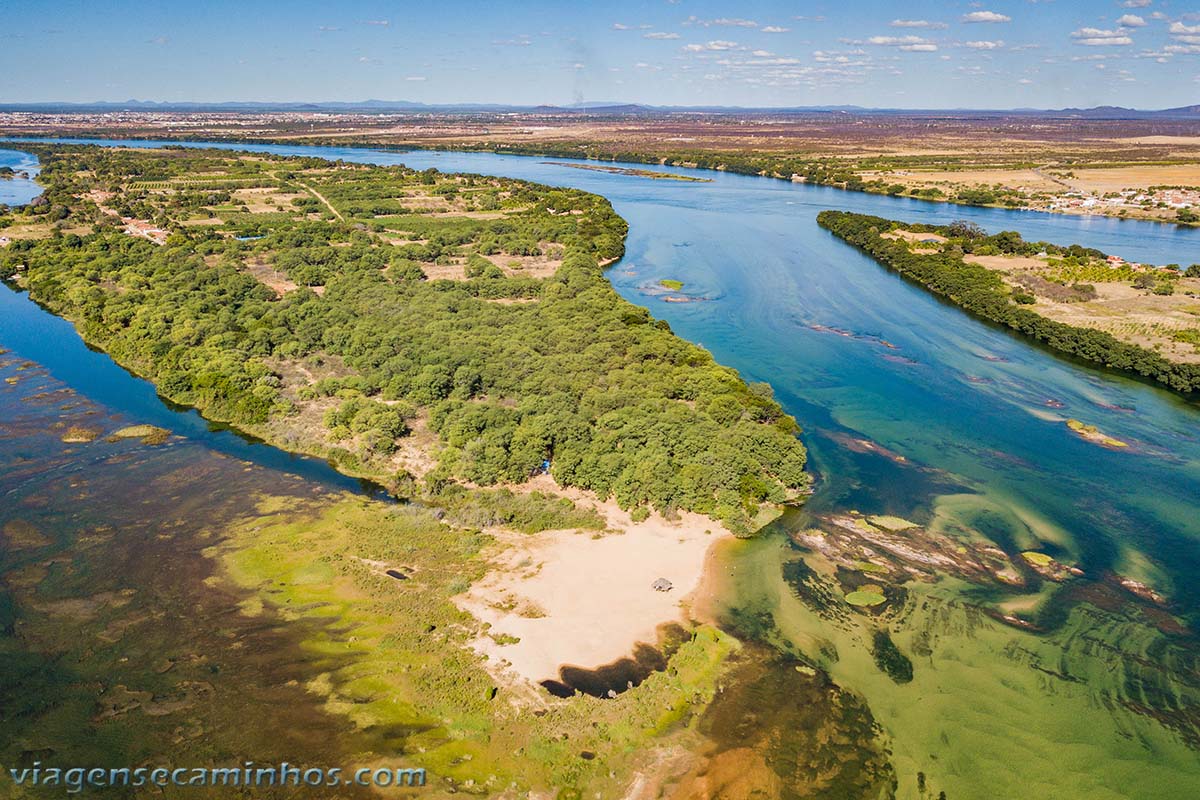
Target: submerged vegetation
341,309
983,292
394,654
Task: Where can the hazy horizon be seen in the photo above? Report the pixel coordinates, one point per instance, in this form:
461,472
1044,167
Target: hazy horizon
927,56
581,106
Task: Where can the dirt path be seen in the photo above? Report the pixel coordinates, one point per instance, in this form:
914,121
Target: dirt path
1051,178
321,197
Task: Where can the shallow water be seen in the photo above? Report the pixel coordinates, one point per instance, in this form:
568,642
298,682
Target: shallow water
36,334
966,424
116,649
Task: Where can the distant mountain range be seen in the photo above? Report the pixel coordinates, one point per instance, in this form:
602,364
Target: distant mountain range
589,109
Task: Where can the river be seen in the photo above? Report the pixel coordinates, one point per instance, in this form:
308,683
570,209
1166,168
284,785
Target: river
976,415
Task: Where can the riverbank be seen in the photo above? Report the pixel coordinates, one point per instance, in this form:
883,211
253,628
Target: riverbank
937,262
1082,162
584,599
934,177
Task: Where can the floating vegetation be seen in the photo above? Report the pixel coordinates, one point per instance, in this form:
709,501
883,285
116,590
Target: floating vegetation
671,283
1093,434
77,434
890,523
149,434
1037,559
864,598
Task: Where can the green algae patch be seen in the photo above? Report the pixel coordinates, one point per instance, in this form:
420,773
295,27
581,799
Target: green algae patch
149,434
863,598
1037,559
671,283
890,523
1093,434
863,525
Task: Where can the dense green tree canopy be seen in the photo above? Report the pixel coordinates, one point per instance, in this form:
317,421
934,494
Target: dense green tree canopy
508,369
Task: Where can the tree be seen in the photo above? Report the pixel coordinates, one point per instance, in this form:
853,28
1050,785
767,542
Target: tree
965,229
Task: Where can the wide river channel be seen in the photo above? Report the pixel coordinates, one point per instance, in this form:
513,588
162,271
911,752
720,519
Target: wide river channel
956,421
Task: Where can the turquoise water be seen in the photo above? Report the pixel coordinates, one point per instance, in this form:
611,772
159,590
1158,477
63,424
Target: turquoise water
952,407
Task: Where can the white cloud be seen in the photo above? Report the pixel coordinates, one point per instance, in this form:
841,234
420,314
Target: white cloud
722,22
775,29
715,45
618,26
1136,3
918,23
520,41
923,47
896,41
1025,81
1095,37
416,78
985,16
1131,21
984,45
383,23
660,35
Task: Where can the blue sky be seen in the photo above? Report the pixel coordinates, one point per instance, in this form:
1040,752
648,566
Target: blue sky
994,54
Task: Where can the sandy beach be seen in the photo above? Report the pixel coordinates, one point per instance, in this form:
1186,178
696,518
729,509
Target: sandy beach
585,598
